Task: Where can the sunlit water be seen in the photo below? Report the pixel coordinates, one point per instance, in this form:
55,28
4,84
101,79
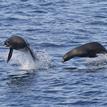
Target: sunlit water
53,27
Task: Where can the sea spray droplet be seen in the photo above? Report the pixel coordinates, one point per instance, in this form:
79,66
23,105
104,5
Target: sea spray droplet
44,60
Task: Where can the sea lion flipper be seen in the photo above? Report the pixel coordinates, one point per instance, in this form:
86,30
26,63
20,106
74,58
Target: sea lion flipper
9,55
32,54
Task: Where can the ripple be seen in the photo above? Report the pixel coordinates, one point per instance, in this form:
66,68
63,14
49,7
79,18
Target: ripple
84,103
55,26
51,45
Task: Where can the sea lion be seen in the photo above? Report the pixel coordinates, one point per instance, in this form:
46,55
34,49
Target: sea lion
87,50
17,43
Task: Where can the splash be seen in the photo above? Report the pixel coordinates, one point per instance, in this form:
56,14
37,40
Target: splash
24,60
42,61
97,62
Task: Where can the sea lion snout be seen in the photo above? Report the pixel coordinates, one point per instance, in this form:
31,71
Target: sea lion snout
6,43
65,58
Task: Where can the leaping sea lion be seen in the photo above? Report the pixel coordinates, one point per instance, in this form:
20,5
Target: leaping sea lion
17,43
87,50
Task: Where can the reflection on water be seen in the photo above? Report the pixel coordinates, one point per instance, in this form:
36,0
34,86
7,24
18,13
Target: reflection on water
21,80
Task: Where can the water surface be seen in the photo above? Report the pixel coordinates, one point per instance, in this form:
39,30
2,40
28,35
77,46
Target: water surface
54,27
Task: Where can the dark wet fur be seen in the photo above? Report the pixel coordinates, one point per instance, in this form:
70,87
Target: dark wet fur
17,43
87,50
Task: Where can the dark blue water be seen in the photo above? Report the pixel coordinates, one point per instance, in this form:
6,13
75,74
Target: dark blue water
55,26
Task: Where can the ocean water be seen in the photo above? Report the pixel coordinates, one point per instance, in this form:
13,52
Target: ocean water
53,27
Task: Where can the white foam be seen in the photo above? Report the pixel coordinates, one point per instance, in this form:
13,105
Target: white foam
26,62
97,62
42,62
